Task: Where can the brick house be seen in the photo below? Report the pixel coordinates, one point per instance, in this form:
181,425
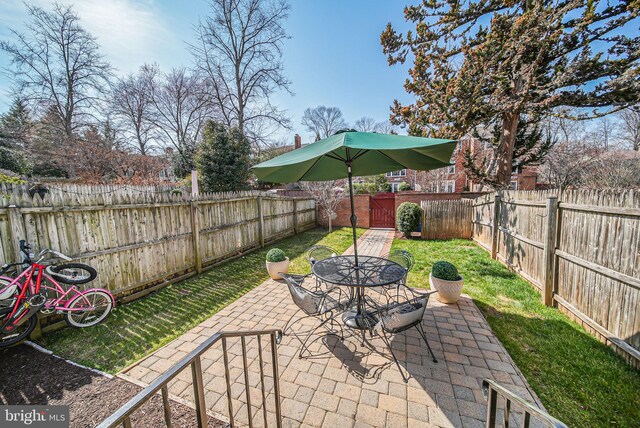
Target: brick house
453,179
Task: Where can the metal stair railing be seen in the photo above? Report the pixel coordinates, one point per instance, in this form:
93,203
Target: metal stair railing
492,391
123,414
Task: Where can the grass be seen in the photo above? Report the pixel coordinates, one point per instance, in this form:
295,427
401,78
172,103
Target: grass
579,380
138,328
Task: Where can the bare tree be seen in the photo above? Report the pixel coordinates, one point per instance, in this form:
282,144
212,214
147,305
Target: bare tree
323,121
132,105
239,49
564,128
630,127
603,133
327,194
57,63
385,127
566,163
365,124
180,107
435,179
614,169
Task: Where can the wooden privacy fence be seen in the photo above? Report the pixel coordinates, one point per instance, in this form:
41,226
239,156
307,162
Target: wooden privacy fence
139,238
446,219
581,249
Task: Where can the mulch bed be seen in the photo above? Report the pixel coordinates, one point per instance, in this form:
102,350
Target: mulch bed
28,376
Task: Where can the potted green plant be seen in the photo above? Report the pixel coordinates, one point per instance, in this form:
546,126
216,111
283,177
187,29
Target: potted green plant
277,261
446,280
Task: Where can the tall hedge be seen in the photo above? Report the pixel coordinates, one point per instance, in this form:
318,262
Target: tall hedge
408,218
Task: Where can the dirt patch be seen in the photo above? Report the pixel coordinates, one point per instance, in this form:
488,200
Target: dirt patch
399,235
31,377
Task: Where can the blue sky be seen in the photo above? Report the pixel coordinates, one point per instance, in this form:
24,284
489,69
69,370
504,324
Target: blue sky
333,57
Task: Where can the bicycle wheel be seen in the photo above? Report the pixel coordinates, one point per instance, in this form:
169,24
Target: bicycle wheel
73,273
20,333
99,304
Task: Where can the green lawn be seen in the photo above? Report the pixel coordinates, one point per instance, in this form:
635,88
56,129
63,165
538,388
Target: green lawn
138,328
580,381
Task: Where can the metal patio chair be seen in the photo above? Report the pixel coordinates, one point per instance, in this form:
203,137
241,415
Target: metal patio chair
400,316
317,253
320,252
406,260
322,304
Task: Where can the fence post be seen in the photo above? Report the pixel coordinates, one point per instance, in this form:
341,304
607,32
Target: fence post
495,226
195,231
423,228
261,221
549,251
17,231
295,216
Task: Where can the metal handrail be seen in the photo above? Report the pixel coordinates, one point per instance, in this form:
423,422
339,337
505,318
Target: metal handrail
491,391
123,414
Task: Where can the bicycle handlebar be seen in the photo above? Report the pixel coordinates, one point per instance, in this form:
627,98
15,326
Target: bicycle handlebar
25,248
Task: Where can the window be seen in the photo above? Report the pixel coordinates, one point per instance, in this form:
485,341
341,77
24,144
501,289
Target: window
513,185
400,173
451,169
446,186
395,187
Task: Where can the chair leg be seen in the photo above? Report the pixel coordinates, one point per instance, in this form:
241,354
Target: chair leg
334,323
424,336
395,359
288,324
330,331
304,347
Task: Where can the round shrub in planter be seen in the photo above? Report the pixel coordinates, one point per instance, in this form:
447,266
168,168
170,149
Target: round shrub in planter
408,218
277,261
446,280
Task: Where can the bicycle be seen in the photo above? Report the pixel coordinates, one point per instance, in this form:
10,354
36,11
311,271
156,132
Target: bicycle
38,289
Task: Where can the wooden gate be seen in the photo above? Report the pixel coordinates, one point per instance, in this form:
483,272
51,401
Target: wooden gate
383,210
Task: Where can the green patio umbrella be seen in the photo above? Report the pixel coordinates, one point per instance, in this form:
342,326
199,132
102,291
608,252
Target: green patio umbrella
346,154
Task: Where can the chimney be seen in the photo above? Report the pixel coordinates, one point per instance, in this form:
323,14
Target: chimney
297,141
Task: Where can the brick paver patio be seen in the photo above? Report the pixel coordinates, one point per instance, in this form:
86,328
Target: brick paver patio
345,384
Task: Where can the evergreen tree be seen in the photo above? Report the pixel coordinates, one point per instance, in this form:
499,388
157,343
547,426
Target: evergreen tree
48,148
490,62
183,161
530,148
15,126
223,159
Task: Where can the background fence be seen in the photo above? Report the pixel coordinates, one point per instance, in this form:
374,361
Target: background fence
138,238
447,219
581,249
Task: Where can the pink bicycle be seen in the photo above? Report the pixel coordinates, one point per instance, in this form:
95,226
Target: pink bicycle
39,289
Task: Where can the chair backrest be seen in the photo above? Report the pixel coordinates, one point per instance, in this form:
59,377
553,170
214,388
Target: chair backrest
404,315
306,300
320,252
402,257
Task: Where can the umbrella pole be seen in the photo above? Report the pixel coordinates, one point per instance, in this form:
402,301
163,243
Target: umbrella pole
353,218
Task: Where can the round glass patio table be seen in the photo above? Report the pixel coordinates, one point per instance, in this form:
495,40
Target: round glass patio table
370,272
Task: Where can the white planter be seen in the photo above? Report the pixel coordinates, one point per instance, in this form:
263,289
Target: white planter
274,267
447,291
